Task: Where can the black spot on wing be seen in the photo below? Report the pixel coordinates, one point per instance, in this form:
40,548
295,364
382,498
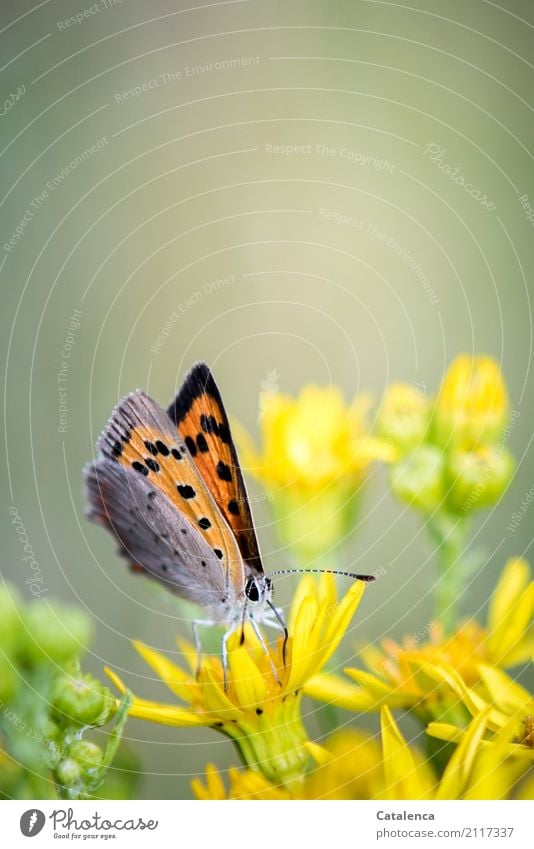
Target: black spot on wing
185,490
202,445
140,467
224,471
191,446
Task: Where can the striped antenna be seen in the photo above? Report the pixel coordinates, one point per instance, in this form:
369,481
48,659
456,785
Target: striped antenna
367,578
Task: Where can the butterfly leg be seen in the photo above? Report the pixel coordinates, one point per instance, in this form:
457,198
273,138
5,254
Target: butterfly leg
280,622
265,649
224,653
195,625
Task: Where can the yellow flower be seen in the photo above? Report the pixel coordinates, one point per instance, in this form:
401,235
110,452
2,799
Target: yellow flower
397,674
404,416
315,454
509,708
353,765
259,711
472,404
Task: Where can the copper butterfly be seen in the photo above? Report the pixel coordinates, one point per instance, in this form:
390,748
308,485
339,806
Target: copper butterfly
169,486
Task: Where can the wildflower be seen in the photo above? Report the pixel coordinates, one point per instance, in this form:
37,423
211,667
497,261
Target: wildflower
404,416
355,766
260,708
472,403
316,453
396,675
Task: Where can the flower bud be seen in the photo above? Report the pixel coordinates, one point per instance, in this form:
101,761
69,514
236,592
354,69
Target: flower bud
88,756
404,416
82,699
55,633
472,404
418,480
68,772
478,478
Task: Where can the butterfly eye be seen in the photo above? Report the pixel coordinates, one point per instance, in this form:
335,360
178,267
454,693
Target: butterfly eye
251,590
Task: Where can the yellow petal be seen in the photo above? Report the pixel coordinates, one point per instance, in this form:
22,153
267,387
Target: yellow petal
170,674
248,683
214,787
214,700
510,615
115,679
331,689
444,731
508,696
306,586
319,754
494,773
458,769
512,583
303,641
403,778
342,617
167,714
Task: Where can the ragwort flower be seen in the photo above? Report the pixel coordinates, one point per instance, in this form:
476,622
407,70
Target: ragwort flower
472,403
315,455
397,676
259,710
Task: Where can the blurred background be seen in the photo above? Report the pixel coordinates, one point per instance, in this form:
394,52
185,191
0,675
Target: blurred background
307,192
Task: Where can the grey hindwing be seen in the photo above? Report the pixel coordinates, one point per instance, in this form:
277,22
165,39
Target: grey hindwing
152,533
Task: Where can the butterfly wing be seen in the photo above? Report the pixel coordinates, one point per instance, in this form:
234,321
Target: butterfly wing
141,441
199,415
152,534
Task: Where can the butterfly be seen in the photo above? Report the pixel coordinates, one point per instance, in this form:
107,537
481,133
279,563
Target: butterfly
169,487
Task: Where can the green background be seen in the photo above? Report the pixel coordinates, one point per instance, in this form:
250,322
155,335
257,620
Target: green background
188,188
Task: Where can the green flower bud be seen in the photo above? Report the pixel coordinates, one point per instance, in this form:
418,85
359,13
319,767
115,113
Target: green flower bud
82,699
418,480
404,416
478,478
88,755
55,633
54,753
68,772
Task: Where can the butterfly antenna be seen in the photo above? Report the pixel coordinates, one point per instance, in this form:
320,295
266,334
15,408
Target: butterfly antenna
366,578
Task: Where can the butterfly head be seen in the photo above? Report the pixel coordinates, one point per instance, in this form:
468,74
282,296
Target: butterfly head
258,590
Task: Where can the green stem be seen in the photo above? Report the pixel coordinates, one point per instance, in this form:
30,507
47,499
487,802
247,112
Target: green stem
449,534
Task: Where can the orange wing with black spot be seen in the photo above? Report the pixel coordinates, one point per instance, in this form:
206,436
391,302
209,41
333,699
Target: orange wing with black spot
198,413
145,469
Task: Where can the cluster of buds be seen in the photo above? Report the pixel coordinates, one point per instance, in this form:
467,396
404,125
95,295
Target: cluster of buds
451,450
47,704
